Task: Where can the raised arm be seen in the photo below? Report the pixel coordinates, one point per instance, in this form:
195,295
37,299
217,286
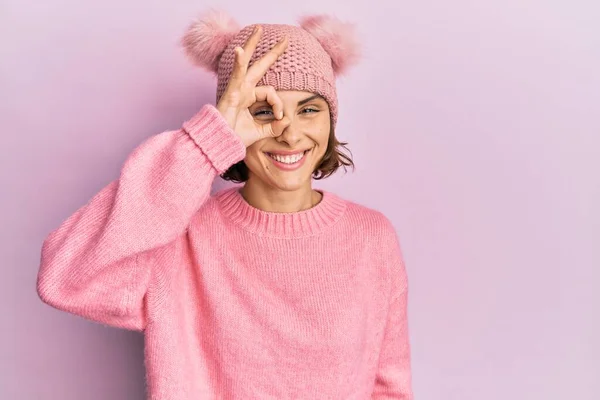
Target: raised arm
98,263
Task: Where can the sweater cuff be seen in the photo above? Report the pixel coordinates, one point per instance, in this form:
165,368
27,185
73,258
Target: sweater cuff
215,138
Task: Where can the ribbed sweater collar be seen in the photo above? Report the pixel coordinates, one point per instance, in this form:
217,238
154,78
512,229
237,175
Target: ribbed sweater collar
281,225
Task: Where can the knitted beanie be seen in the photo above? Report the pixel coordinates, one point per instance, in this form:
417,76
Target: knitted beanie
319,50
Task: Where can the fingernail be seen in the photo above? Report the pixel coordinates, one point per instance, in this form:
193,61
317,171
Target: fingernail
280,114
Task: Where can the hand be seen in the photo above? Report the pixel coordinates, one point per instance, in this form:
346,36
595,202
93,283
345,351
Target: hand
241,92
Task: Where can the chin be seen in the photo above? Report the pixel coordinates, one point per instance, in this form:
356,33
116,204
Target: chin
290,184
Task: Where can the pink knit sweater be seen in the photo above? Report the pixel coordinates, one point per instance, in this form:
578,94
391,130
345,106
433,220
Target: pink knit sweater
234,302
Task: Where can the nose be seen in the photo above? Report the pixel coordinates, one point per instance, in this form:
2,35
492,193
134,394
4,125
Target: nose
290,134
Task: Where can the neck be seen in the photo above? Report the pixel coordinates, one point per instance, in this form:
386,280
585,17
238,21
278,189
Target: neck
312,221
268,198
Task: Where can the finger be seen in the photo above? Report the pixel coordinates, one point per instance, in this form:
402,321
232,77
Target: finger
239,66
242,55
260,66
268,130
269,94
251,43
276,127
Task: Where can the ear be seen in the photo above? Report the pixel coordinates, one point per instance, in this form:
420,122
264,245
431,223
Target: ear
207,37
337,38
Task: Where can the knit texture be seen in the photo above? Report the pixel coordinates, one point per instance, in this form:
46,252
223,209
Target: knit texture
304,65
234,302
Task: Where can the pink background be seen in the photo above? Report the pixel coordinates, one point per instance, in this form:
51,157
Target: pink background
475,126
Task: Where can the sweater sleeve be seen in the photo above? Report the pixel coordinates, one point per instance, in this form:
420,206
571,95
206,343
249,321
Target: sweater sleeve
92,264
393,379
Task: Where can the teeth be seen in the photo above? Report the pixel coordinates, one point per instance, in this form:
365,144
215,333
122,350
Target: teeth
287,159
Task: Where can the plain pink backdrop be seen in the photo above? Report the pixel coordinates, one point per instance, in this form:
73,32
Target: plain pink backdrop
475,126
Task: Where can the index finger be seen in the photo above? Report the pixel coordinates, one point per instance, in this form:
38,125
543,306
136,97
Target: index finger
251,43
260,66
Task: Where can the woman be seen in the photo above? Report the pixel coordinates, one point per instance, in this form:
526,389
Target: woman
268,290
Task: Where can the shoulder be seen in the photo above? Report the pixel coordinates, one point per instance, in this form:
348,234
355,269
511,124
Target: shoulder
380,235
208,215
370,221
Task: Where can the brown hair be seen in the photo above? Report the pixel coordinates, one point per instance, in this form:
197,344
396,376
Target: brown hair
334,158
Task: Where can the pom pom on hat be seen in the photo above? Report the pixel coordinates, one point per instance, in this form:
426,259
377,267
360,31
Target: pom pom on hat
337,38
207,37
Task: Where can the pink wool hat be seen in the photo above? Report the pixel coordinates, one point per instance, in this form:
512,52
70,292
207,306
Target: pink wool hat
319,50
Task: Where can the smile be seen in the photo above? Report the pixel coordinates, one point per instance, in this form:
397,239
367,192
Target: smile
288,161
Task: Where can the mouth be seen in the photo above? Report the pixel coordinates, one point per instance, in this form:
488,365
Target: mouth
288,161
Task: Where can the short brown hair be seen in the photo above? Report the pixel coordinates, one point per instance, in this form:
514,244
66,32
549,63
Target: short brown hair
334,158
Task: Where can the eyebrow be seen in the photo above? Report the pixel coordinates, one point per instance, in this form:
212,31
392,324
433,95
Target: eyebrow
316,96
301,102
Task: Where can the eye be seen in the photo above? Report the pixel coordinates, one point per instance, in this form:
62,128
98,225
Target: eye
263,112
310,110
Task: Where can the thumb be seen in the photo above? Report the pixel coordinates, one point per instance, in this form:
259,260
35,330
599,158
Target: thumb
266,130
274,128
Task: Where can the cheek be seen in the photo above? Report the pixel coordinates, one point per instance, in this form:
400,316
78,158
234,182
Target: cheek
252,157
255,158
321,138
319,132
